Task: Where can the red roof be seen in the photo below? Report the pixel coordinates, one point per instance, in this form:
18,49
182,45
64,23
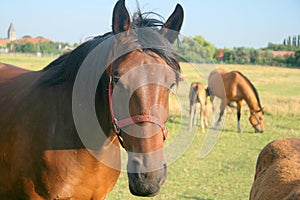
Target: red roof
283,53
4,42
25,40
33,40
220,54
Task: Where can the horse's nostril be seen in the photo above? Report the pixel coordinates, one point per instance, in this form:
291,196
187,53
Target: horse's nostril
134,165
143,176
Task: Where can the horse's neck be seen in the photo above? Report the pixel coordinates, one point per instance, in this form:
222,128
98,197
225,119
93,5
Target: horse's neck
250,98
102,118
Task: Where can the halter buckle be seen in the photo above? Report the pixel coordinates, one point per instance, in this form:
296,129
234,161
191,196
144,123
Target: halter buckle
116,127
165,132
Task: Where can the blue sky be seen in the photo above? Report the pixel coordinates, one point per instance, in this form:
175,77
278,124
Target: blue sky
225,23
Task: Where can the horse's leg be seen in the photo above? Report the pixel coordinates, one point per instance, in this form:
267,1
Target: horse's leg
239,105
222,109
212,97
212,103
192,113
205,114
201,117
195,114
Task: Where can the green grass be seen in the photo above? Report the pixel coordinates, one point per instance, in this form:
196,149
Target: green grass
26,61
228,171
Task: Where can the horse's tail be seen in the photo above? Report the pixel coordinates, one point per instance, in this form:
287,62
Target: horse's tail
193,94
207,91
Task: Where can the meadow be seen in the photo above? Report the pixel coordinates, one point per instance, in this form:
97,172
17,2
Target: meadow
227,172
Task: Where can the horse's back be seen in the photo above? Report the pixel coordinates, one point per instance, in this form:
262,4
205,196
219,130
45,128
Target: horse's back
197,93
278,171
216,83
8,71
14,81
225,84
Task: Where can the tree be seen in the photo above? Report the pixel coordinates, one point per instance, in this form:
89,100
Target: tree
241,55
26,36
267,57
197,49
289,41
228,56
255,56
297,58
48,48
294,41
26,48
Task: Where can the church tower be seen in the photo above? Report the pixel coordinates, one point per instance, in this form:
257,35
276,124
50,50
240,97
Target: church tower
11,33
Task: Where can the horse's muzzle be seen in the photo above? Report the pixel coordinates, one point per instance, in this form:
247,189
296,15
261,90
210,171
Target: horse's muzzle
142,181
258,130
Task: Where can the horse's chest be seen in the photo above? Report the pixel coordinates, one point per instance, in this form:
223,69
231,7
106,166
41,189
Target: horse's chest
76,174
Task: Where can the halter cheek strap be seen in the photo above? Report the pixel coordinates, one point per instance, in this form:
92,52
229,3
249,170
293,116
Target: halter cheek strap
118,124
257,119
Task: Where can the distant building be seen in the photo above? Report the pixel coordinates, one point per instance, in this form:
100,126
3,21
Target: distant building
11,38
220,55
283,54
33,40
11,33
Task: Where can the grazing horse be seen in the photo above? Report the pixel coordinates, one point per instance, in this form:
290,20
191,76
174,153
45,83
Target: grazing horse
198,94
235,87
277,175
46,152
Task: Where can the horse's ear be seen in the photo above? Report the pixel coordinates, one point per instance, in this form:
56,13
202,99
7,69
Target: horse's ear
121,18
173,25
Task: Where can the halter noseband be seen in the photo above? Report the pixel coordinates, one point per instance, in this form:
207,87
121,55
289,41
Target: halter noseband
118,124
257,119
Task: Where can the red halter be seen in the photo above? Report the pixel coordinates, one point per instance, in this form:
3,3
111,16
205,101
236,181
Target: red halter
118,124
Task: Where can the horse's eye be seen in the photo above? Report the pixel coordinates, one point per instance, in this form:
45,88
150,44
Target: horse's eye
115,79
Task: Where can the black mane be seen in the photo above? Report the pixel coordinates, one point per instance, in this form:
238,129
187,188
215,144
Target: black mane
252,86
65,68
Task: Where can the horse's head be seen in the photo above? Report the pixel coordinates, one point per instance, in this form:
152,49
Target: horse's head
256,119
141,76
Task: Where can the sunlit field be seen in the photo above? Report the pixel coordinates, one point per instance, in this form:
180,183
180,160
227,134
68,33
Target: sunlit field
227,172
31,62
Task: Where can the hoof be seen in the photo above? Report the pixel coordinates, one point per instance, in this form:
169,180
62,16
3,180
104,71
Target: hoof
219,125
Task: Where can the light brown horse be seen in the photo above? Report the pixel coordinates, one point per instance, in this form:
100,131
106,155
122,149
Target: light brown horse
277,175
235,87
198,94
48,151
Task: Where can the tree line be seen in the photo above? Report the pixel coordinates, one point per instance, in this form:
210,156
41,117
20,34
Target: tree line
46,48
198,50
292,41
41,47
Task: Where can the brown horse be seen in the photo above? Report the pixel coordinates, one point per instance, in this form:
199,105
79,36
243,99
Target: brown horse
277,175
235,87
48,151
198,94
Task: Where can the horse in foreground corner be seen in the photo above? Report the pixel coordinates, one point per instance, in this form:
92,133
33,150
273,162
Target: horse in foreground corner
235,87
198,95
277,175
49,151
